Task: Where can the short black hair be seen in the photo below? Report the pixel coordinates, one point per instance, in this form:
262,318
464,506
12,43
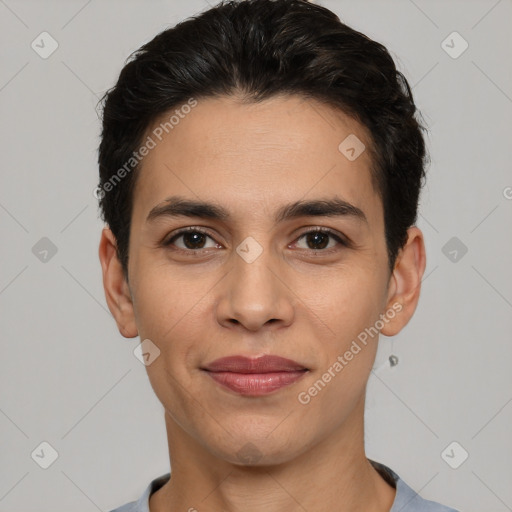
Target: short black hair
259,49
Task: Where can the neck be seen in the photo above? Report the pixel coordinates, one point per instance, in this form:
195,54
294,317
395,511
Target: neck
331,475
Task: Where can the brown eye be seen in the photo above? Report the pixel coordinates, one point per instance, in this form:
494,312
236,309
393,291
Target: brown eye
318,239
194,239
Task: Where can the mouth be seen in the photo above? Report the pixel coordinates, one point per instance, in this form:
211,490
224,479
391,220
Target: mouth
262,364
255,376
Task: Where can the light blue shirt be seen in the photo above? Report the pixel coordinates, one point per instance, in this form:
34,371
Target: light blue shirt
406,500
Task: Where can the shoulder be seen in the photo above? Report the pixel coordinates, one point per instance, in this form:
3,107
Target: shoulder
406,499
142,504
128,507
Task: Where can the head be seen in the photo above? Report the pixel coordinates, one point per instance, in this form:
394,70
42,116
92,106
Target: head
277,118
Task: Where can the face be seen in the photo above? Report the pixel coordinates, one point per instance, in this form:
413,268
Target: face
253,277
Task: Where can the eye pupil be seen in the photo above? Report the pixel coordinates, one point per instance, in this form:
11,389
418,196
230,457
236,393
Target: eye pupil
316,236
197,238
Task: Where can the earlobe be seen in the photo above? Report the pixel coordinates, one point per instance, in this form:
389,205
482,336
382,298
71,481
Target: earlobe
405,285
117,292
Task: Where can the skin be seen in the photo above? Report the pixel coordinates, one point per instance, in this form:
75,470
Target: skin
308,307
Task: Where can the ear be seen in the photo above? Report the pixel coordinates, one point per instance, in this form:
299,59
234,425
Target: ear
117,291
405,283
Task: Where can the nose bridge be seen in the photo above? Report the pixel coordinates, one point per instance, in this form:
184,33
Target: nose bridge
254,292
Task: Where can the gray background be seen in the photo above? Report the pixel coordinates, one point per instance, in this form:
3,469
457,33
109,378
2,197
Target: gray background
69,378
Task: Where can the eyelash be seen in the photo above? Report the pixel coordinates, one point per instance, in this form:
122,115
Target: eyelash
192,229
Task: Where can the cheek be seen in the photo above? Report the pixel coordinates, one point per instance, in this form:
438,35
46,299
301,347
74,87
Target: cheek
171,311
167,300
350,307
351,311
334,396
346,302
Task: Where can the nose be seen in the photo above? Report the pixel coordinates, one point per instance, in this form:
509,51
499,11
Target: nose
255,295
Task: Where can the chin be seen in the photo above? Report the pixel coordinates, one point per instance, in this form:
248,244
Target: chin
260,451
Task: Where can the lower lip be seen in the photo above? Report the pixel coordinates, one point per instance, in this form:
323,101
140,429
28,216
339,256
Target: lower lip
256,384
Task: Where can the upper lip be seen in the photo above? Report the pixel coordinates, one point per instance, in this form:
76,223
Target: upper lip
262,364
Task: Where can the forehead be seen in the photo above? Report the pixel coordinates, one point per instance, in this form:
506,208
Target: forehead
255,157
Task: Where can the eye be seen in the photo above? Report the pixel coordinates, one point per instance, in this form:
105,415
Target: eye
318,239
194,239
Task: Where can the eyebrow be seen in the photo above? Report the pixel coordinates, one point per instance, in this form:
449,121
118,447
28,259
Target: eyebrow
176,206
